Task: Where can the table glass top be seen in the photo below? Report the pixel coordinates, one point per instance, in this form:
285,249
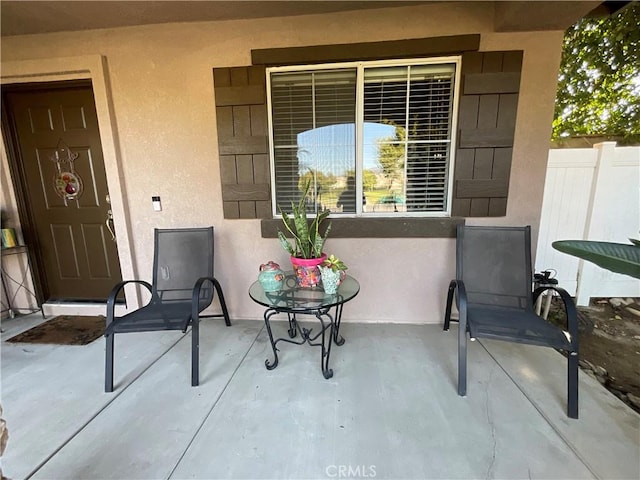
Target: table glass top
294,298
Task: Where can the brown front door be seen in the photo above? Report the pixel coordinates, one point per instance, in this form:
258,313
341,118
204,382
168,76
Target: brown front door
64,190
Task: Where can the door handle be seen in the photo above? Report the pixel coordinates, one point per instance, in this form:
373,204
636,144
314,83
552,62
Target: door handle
108,223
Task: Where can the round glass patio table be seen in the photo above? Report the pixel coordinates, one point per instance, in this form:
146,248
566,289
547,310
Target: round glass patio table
294,300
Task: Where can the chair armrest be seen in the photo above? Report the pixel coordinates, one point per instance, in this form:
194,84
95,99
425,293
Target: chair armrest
456,287
569,309
195,297
462,305
197,287
111,301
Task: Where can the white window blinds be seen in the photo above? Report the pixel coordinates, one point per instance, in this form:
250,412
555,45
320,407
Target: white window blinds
417,101
404,116
313,118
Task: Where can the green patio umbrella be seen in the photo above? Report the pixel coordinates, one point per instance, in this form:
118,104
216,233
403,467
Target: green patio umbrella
615,257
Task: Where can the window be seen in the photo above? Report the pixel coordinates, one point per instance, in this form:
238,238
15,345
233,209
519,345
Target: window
372,138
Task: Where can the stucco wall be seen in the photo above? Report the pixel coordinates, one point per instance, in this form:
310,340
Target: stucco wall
158,102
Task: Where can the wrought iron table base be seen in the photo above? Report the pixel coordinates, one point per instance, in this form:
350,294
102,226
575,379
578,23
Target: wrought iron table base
306,336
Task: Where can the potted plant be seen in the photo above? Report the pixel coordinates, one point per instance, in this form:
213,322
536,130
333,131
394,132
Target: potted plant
332,271
308,240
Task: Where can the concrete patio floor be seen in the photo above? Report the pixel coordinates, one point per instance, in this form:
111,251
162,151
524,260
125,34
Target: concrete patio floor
390,411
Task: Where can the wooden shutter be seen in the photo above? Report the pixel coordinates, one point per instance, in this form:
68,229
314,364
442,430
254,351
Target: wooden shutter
486,126
241,111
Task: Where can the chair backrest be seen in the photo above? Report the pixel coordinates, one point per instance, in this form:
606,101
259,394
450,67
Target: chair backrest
181,256
495,265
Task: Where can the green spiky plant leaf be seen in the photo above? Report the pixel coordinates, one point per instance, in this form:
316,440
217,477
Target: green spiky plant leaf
308,238
615,257
285,243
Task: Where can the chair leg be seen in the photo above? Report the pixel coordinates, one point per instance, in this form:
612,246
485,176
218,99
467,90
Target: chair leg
223,304
195,352
572,390
462,361
108,371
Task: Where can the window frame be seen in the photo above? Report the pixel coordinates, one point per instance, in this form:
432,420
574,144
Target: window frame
360,66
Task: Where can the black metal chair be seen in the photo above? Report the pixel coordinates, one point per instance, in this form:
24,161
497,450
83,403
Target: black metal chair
183,286
495,299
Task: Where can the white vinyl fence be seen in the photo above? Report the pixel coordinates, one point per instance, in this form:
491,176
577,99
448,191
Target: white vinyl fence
590,194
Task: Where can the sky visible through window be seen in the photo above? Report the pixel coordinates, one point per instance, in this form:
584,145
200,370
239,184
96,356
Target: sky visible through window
331,149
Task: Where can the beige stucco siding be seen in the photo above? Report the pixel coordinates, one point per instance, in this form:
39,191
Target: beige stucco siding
159,89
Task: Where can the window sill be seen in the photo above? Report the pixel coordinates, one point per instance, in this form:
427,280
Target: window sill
403,227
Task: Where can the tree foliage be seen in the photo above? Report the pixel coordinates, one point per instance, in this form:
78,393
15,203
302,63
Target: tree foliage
369,180
391,154
319,181
599,82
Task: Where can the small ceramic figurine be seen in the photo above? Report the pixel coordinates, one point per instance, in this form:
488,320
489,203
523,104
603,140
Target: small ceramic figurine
271,277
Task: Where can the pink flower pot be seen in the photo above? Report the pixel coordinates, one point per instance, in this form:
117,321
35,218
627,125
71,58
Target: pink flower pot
307,271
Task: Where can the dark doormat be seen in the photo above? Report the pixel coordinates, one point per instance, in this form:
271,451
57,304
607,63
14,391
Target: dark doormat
64,330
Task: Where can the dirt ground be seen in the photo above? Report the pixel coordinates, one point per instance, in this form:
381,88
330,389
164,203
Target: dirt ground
610,344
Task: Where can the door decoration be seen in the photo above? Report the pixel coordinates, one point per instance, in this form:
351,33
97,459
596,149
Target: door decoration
66,182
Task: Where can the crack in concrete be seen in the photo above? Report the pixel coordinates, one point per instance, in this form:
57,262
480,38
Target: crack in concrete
492,425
